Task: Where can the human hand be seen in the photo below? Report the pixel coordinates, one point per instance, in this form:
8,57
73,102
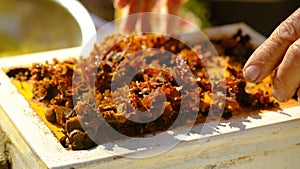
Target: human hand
280,54
138,6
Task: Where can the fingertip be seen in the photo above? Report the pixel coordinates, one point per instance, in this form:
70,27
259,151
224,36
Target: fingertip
281,91
174,6
251,73
279,96
120,3
129,23
286,78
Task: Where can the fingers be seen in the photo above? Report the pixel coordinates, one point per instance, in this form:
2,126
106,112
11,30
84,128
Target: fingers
140,6
268,56
145,17
173,8
148,5
134,6
286,80
121,3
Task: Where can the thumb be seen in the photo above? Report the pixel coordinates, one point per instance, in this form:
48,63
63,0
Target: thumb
268,55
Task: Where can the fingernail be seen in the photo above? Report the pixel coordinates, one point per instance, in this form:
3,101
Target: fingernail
251,73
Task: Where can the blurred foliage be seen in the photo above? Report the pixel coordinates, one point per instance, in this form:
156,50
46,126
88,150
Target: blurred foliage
200,10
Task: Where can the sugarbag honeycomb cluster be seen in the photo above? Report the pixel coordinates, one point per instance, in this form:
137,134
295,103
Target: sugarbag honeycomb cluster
78,93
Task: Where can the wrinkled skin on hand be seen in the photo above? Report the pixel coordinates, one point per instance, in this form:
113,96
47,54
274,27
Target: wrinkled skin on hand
279,54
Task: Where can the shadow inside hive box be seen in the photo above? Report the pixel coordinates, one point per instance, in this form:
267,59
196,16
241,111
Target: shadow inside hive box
239,121
169,139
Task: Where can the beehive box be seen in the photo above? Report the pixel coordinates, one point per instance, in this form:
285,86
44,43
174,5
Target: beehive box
231,143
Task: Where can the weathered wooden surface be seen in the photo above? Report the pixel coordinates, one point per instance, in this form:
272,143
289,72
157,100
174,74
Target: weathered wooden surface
4,155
